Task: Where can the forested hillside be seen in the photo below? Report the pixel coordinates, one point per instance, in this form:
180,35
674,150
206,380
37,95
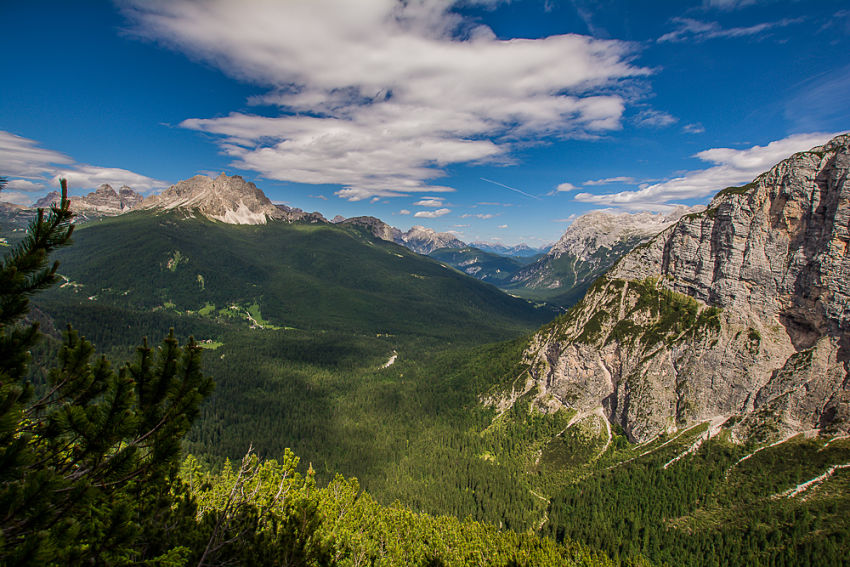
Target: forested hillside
90,456
416,419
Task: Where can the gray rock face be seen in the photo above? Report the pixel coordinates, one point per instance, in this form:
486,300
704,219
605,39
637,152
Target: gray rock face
739,314
291,214
228,199
425,240
419,239
102,202
600,229
47,201
378,228
591,245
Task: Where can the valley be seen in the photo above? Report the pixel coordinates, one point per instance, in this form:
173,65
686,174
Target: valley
433,389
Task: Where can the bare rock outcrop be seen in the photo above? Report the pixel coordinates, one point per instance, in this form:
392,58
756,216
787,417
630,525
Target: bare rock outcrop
104,201
420,239
591,245
740,312
227,199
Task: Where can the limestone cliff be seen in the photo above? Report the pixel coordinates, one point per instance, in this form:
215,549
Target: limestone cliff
738,314
105,201
227,199
419,239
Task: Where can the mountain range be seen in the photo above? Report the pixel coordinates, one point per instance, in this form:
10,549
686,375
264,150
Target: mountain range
558,275
698,385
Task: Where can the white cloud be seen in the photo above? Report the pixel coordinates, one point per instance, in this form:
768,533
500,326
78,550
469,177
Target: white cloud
26,185
502,226
482,216
432,214
732,167
430,202
570,218
607,180
404,212
654,119
91,176
16,198
22,158
563,187
695,128
322,197
728,4
695,30
379,96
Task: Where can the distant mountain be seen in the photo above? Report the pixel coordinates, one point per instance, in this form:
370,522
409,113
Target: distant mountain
230,200
738,315
520,250
292,214
105,201
419,239
425,240
485,266
48,200
589,247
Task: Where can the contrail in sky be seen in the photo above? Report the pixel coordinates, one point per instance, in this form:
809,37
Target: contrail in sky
511,188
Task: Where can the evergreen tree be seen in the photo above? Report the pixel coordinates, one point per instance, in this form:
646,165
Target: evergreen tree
88,464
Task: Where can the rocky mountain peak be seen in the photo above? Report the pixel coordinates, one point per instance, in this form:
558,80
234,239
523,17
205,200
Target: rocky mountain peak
105,191
605,229
425,240
420,239
378,228
229,199
47,201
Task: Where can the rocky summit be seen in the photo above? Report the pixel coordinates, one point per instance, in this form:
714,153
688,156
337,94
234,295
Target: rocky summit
738,315
105,201
420,239
227,199
602,229
591,245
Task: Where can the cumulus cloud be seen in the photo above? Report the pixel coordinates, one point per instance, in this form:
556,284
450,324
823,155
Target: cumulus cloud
731,167
564,187
696,31
38,167
16,198
25,185
404,212
380,96
607,180
502,226
90,176
432,214
482,216
429,202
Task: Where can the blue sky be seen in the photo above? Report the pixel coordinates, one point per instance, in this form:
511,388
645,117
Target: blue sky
500,121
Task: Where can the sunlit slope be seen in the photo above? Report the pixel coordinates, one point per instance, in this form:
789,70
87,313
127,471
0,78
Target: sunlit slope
286,275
